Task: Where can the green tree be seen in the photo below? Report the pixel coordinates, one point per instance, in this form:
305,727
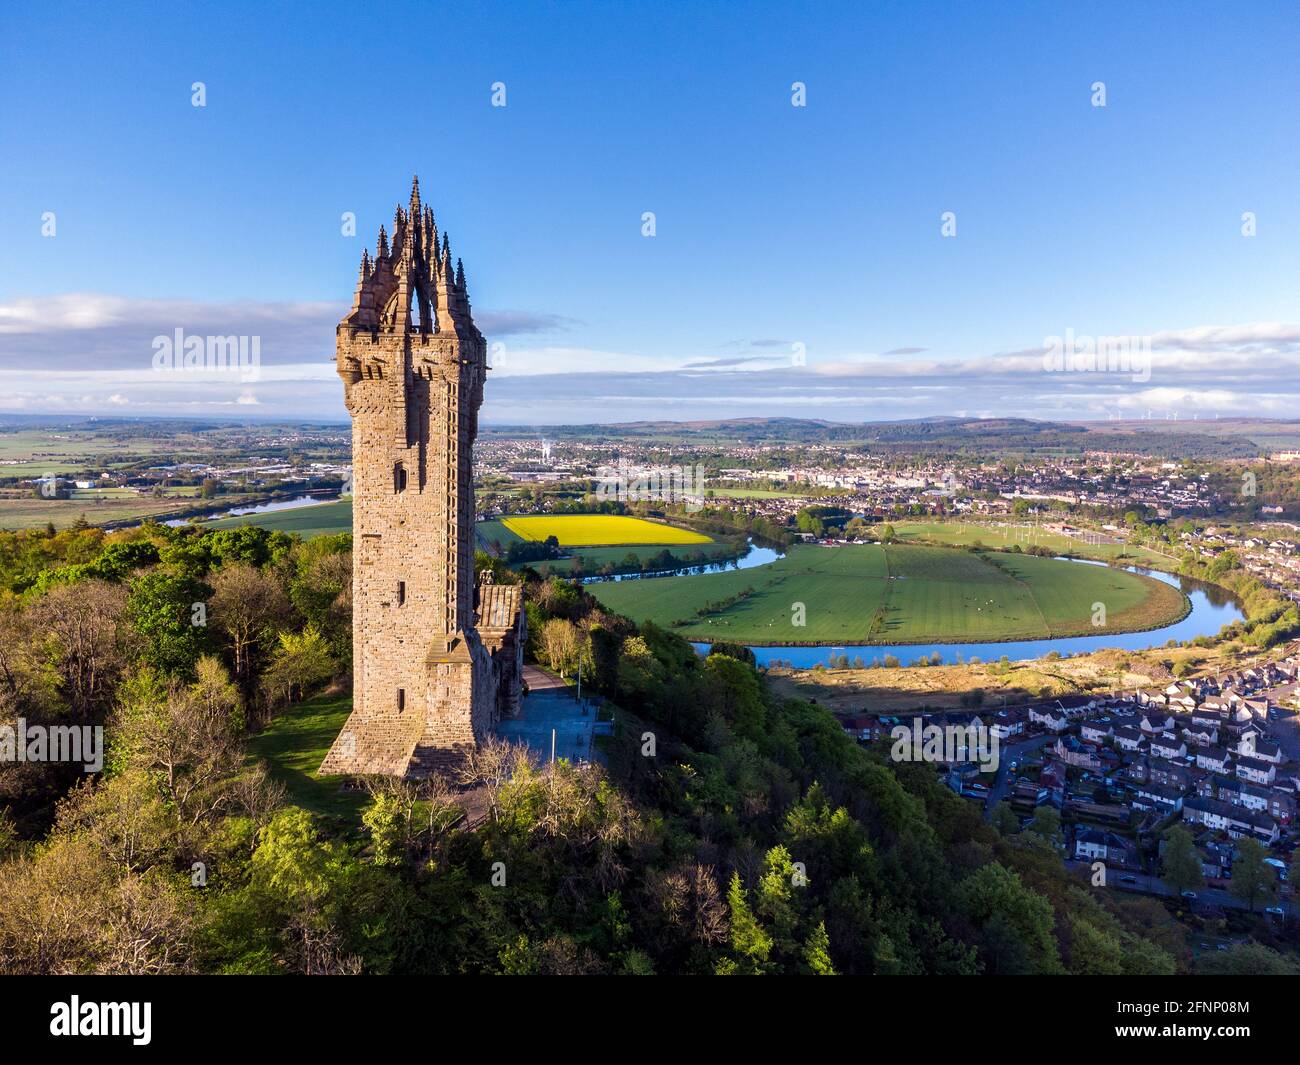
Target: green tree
1246,959
1182,864
170,612
1016,921
301,661
1047,824
1253,879
384,820
248,606
817,952
1004,818
748,938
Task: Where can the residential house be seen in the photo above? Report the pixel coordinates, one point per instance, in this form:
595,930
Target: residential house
1236,821
1256,770
1167,745
1073,751
1093,844
1215,759
1129,739
1051,718
1160,797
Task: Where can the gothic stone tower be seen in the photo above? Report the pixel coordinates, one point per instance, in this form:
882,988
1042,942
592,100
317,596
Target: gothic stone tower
413,364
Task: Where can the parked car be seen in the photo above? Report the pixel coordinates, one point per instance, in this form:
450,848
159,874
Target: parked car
1190,896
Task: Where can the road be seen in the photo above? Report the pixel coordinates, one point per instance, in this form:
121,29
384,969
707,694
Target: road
1286,729
1007,753
1152,885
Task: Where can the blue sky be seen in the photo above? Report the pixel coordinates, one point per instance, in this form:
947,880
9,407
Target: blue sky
776,225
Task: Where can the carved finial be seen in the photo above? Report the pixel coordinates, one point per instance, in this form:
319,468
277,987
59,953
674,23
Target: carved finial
415,196
460,275
365,263
381,248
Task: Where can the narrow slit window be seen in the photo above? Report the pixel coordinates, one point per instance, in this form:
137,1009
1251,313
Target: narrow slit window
401,699
399,478
401,593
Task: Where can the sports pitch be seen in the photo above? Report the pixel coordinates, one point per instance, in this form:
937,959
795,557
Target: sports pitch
898,594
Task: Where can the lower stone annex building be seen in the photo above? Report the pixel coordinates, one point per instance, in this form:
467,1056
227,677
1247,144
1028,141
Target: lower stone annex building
437,661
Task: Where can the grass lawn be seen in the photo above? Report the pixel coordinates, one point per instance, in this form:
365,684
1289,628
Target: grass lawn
293,747
309,521
898,594
595,530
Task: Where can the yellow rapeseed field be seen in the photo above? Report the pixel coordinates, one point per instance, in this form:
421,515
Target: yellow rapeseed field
594,530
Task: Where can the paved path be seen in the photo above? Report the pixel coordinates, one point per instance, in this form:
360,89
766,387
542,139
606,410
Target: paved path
551,706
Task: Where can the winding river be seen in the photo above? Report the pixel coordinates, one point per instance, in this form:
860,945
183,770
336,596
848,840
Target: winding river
1212,608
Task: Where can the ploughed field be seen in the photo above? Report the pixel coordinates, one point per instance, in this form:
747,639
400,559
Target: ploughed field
898,594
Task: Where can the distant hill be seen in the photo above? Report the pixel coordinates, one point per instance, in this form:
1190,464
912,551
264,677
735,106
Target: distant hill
1235,438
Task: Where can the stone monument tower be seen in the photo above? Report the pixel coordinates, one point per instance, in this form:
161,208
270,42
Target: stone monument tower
426,683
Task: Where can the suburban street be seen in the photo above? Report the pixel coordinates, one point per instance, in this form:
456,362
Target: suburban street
1152,885
1008,752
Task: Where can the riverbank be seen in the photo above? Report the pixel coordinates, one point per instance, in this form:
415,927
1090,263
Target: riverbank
887,690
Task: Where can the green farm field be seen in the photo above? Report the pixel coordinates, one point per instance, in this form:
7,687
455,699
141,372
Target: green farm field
493,530
321,518
34,452
1002,537
749,493
33,513
897,594
592,558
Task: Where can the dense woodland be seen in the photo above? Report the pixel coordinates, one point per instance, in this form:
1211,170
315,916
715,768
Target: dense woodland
732,832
